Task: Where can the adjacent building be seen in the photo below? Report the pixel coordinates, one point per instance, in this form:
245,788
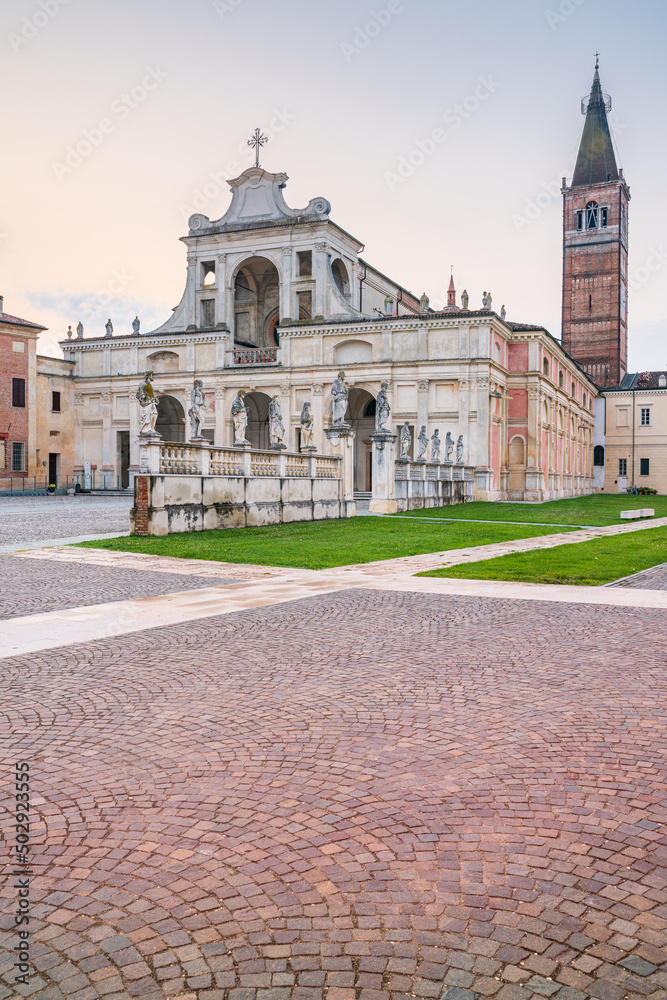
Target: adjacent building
635,451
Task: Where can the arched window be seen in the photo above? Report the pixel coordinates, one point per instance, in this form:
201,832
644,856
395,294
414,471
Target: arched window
545,367
598,455
574,390
592,215
560,380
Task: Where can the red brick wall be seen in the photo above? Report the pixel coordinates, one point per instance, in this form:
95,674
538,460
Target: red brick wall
595,266
141,505
13,365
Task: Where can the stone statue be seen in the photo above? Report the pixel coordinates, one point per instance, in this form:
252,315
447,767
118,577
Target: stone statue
382,408
108,326
79,329
449,447
276,425
465,300
424,303
503,314
484,301
406,440
197,409
459,449
69,333
422,441
340,393
240,418
436,444
489,301
136,325
307,429
148,404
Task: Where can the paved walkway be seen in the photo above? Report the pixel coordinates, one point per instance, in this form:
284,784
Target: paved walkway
361,795
350,784
42,519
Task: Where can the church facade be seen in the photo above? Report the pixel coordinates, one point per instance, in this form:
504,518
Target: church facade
278,301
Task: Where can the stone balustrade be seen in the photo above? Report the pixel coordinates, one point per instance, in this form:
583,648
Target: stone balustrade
255,356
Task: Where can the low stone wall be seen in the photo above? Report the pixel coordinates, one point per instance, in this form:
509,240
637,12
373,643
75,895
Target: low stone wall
166,504
432,484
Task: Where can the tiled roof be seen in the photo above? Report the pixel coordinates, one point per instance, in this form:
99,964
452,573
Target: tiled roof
15,321
649,380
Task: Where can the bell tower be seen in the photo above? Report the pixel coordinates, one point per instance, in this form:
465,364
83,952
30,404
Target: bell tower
595,250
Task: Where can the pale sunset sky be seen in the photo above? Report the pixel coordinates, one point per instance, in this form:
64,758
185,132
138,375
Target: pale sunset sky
159,97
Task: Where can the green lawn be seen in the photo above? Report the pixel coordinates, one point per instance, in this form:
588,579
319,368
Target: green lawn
322,544
597,509
588,564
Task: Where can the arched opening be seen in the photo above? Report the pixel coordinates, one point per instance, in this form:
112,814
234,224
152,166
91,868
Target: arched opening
257,432
592,215
545,367
598,455
170,419
256,303
341,279
361,415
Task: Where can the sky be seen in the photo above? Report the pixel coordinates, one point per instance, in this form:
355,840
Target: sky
439,131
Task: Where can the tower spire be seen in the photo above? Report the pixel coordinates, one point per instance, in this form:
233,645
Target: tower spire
596,162
451,291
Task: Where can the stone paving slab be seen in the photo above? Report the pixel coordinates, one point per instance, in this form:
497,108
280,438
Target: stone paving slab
363,796
36,586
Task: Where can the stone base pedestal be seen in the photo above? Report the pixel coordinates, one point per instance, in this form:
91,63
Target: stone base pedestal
308,449
278,447
383,500
341,442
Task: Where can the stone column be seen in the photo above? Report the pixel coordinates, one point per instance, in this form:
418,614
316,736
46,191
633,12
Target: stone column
320,272
534,485
464,412
221,282
134,433
316,408
79,457
220,415
286,410
191,299
479,452
341,443
422,406
384,458
286,286
108,444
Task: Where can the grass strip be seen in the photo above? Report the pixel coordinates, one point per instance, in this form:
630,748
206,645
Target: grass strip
596,510
584,564
322,544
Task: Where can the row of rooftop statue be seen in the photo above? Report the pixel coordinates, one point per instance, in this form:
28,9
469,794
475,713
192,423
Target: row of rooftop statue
340,392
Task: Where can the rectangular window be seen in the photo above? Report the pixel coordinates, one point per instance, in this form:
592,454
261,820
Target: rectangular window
208,273
18,392
18,456
207,319
643,466
305,300
580,221
18,347
622,466
645,416
55,402
604,216
305,259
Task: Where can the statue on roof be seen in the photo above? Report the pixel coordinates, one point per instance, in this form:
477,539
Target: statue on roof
465,300
108,326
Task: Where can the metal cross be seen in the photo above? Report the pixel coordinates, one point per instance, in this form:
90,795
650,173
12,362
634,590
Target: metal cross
258,140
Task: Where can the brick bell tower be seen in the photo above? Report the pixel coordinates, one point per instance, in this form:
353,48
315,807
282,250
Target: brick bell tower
595,250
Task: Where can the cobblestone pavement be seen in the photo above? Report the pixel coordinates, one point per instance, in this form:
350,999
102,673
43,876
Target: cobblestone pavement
31,586
651,579
35,519
364,796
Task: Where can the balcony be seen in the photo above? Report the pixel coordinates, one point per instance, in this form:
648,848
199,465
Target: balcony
255,356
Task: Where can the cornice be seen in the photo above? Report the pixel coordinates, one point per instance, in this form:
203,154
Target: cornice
162,340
